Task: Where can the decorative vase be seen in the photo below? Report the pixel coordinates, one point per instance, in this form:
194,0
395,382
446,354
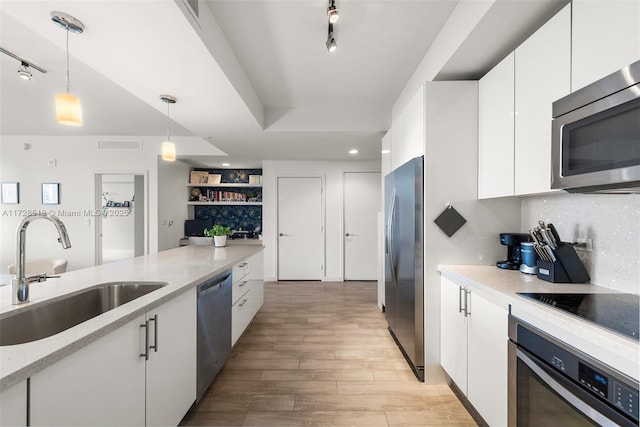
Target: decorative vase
219,241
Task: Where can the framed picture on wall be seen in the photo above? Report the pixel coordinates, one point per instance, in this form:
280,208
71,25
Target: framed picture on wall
50,193
10,192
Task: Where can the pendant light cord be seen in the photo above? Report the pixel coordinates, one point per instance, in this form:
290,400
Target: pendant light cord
68,91
168,128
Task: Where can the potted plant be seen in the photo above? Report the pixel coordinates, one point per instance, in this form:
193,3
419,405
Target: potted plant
219,234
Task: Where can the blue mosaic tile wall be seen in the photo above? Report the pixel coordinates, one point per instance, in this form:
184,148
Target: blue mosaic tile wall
235,216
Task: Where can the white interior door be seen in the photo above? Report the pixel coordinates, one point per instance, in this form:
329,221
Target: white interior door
361,206
300,229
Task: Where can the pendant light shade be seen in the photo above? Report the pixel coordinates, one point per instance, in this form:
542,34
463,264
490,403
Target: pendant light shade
68,109
168,147
168,151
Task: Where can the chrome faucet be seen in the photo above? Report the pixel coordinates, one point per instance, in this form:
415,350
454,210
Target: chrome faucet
20,284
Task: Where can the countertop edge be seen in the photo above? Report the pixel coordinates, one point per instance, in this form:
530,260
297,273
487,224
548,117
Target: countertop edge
79,336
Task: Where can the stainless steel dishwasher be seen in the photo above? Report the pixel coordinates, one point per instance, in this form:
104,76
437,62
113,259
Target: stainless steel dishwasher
214,329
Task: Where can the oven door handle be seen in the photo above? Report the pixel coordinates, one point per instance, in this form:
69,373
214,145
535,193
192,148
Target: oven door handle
577,403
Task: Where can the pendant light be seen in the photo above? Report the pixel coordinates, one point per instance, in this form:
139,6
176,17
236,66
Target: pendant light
331,41
168,147
68,109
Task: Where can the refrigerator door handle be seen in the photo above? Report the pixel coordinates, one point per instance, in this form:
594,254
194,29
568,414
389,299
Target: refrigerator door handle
392,211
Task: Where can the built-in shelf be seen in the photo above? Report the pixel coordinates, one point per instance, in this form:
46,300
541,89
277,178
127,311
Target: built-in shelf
235,185
225,203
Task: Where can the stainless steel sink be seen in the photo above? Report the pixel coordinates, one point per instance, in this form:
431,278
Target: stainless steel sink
49,318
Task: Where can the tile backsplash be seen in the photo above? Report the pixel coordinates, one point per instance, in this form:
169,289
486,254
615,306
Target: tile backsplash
612,222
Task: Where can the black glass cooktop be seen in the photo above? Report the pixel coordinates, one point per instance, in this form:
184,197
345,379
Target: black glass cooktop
617,312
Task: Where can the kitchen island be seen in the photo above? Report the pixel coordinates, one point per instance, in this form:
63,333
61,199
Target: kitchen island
182,269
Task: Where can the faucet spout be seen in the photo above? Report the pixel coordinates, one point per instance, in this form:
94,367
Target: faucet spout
20,284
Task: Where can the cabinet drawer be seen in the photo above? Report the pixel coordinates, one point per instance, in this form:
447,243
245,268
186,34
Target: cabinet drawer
240,270
239,288
244,310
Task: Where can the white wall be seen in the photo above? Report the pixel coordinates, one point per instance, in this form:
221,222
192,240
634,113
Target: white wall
77,160
172,202
611,221
333,173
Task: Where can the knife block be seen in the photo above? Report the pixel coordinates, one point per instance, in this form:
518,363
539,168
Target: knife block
566,269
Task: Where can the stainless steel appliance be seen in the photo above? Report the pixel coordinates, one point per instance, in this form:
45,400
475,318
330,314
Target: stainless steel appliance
404,261
596,136
554,384
214,329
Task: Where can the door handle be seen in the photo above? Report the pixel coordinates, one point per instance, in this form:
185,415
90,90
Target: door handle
347,235
282,234
145,325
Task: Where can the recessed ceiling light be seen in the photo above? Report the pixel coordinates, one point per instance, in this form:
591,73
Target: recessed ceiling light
226,164
353,151
385,151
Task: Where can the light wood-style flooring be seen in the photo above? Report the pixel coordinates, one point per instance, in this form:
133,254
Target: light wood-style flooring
320,354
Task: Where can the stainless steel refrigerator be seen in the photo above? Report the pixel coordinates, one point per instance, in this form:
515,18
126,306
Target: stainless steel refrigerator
404,261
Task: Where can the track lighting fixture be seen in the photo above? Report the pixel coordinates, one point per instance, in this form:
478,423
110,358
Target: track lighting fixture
68,108
168,147
332,12
331,41
24,71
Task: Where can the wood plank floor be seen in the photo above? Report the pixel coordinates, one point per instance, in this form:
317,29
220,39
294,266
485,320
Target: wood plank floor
319,354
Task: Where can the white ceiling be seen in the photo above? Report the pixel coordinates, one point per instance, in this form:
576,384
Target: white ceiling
252,77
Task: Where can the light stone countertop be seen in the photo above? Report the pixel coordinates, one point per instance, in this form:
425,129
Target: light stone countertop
500,286
182,268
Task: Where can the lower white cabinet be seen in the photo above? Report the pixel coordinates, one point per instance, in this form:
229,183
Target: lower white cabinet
13,405
143,373
474,349
247,294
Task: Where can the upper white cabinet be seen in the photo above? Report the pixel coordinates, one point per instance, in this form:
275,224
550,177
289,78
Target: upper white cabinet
495,131
407,131
543,71
606,37
514,153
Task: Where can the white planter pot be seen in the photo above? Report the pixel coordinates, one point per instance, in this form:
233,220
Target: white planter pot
219,241
200,241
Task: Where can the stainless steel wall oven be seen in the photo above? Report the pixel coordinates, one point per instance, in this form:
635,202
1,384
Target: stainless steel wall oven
554,384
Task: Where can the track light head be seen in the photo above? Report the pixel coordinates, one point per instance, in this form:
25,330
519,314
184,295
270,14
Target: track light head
332,12
24,72
331,41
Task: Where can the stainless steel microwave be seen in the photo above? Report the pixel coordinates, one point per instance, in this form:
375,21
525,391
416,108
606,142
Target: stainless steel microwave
596,136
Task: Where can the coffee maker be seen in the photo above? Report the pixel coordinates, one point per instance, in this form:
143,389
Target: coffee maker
512,242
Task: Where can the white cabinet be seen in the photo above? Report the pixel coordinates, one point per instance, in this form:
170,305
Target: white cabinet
605,38
111,382
543,72
171,368
13,405
473,349
495,131
247,294
100,384
408,131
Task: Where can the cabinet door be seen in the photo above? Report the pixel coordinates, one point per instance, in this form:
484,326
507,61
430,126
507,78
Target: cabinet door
496,131
13,405
487,359
101,384
256,265
543,72
605,38
171,368
453,333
